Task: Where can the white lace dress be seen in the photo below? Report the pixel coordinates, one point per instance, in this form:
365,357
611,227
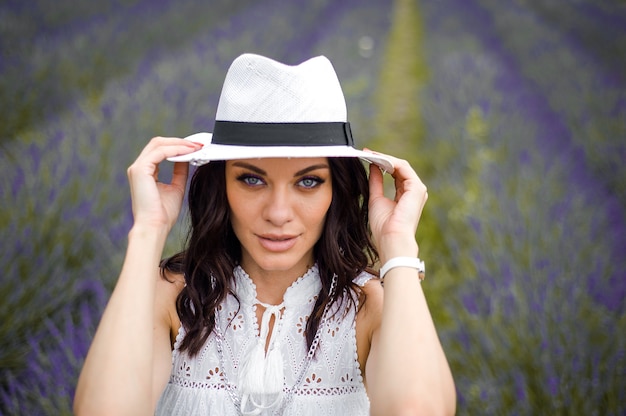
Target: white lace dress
329,384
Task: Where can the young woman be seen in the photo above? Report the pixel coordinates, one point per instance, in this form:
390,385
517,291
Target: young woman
272,307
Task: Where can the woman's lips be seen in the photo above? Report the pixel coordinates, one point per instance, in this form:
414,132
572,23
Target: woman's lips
277,243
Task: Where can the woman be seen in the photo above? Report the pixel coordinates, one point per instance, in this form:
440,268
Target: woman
271,309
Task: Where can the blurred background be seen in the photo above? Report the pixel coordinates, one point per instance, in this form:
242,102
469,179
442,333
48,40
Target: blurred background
512,111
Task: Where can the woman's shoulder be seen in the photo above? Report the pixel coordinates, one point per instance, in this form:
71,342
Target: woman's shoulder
168,287
371,300
364,277
368,315
372,288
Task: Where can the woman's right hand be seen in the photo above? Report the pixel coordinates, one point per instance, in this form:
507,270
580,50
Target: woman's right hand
140,308
156,203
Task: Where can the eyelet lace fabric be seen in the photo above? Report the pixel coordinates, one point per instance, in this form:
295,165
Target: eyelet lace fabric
331,385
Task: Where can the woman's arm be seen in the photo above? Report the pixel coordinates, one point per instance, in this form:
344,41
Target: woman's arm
407,372
128,361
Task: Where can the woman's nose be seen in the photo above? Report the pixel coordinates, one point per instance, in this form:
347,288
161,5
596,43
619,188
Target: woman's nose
279,206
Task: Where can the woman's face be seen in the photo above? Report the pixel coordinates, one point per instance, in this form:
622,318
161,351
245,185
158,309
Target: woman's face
277,209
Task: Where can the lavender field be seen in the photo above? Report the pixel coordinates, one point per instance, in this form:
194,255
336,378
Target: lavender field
513,112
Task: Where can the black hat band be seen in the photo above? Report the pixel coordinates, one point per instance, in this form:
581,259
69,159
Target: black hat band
282,134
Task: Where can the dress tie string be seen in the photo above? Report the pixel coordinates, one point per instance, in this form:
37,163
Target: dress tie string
262,374
270,310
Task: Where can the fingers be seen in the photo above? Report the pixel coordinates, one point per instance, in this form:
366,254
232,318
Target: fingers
179,175
157,150
376,182
402,212
155,202
160,148
404,176
406,179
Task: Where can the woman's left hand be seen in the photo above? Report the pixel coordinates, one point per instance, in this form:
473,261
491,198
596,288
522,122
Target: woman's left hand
394,222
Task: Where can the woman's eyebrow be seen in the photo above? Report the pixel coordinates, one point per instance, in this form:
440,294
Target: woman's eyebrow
311,168
253,168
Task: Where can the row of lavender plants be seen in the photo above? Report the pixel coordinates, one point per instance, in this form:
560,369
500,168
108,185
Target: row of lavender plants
52,54
67,211
524,128
523,229
529,326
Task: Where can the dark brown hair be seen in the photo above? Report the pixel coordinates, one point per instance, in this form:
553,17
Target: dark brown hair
344,248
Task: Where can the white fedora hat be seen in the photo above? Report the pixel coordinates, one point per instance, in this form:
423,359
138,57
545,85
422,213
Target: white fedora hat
269,109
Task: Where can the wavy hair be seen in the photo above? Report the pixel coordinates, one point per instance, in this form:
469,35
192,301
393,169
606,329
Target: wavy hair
345,249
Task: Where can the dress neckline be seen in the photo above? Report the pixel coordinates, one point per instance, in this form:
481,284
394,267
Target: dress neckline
303,289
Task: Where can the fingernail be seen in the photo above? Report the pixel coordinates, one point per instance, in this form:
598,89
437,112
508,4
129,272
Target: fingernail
198,144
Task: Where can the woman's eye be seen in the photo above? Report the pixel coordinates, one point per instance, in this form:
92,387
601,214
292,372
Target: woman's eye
251,180
310,182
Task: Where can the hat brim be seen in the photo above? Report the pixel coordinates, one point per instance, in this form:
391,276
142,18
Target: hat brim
213,152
